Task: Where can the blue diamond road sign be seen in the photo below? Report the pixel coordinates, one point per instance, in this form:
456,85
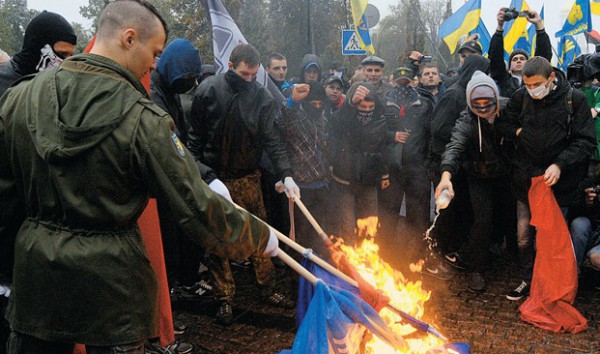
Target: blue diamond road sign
350,44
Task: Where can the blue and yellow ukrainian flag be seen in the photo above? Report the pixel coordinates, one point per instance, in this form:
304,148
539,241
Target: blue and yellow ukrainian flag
578,20
568,50
484,37
595,7
360,24
532,34
463,21
515,31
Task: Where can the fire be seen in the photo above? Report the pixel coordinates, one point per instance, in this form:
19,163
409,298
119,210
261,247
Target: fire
406,295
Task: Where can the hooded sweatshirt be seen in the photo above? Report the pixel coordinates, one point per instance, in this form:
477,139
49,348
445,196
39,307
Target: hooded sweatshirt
450,106
85,163
474,140
307,61
179,59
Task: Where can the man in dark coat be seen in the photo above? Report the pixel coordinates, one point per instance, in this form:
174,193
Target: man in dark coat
554,132
454,223
408,115
232,122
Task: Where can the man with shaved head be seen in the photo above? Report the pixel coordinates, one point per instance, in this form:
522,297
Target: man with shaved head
82,148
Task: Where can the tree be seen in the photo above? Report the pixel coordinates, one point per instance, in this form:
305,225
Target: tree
14,17
84,36
92,11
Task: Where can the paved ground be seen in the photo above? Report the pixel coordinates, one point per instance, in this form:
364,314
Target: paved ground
487,321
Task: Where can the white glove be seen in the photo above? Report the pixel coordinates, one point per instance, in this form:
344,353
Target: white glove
272,249
291,188
220,188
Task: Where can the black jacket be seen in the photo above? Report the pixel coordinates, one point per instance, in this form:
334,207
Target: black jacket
543,139
580,208
9,74
482,159
449,107
170,103
231,123
356,149
408,111
507,83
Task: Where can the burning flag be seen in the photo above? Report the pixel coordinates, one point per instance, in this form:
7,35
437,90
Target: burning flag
364,265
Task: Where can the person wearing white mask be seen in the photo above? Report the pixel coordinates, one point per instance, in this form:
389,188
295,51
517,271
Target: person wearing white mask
553,131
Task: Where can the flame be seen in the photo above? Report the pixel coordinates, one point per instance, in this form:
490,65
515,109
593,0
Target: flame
406,295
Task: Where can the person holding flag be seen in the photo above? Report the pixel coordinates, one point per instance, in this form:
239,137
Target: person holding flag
510,81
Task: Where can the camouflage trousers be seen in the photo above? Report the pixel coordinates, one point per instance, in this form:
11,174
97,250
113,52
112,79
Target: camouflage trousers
246,192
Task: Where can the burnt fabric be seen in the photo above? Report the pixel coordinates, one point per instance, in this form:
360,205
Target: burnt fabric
554,283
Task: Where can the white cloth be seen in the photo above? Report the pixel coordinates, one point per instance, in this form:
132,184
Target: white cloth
220,188
272,249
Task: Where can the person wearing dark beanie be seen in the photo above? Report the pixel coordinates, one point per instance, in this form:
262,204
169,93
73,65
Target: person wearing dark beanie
48,40
510,80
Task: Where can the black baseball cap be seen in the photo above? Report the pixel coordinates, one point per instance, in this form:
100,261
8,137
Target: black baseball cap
471,46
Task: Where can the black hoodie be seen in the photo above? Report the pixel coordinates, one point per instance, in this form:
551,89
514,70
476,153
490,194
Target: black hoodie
450,105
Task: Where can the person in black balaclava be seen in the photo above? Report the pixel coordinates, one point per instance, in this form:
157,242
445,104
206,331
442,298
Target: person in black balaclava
49,39
408,116
302,121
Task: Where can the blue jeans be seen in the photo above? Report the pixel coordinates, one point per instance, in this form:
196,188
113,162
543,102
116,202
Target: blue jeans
583,234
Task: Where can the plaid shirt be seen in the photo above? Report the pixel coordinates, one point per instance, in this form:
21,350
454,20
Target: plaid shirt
305,139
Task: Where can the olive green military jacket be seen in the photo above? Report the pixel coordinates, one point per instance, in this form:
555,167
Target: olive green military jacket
82,149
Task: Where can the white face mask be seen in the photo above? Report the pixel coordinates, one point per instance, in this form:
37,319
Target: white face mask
49,59
539,92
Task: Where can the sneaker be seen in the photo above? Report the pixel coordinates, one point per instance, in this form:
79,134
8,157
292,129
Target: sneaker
437,270
202,288
179,327
280,300
225,314
176,347
455,261
519,292
242,263
476,282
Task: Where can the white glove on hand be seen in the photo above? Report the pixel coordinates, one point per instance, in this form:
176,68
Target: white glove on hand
220,188
272,249
291,188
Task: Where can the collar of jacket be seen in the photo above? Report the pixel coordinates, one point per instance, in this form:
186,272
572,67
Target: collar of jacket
237,83
101,61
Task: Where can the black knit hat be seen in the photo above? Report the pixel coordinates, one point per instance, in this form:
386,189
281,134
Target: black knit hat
45,28
517,51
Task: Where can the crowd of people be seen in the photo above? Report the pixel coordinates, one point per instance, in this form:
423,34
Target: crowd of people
83,146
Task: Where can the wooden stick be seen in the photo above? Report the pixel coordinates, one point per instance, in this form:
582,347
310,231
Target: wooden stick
285,258
312,220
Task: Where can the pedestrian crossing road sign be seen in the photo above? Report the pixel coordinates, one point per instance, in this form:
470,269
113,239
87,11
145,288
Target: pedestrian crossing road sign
350,44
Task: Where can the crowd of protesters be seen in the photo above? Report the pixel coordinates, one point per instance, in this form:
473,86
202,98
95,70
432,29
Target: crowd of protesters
83,146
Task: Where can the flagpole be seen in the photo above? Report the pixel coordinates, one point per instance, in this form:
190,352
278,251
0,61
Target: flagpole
417,324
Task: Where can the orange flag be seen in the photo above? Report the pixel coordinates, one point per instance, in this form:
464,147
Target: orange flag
554,283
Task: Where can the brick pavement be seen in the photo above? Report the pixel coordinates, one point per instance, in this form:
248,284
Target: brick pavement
487,321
